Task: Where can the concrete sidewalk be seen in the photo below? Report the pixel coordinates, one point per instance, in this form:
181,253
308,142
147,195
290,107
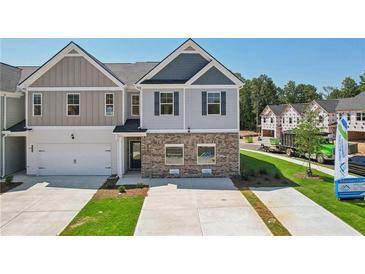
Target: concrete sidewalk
209,206
300,215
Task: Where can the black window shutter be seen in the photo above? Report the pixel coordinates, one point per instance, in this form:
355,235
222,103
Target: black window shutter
176,103
157,103
204,103
223,103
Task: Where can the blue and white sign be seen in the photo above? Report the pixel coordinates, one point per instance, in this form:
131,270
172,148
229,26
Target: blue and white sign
346,187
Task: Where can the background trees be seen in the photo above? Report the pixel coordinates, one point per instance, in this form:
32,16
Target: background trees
258,92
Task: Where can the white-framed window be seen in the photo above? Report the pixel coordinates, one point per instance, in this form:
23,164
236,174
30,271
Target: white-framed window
37,104
264,120
271,120
166,103
290,120
214,103
135,105
349,117
360,116
109,104
174,154
206,154
73,104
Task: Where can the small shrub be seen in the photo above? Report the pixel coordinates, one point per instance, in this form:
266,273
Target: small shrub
122,189
249,139
140,185
251,172
277,175
262,171
244,176
9,179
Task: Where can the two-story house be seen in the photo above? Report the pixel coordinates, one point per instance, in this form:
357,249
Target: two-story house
354,109
271,120
176,117
291,116
326,114
12,114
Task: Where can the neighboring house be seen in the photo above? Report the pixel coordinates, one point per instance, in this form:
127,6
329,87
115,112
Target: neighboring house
354,109
326,114
271,120
179,116
12,115
291,116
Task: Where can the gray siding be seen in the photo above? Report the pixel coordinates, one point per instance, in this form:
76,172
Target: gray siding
14,154
15,110
183,67
150,121
213,77
91,109
1,134
73,72
195,119
128,106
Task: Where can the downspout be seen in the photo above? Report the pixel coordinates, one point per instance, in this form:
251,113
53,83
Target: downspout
3,138
140,105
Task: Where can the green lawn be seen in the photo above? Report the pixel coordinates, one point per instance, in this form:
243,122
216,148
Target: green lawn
106,217
320,191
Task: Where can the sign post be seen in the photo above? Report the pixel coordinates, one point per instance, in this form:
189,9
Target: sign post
346,187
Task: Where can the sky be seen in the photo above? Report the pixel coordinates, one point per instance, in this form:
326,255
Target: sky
320,62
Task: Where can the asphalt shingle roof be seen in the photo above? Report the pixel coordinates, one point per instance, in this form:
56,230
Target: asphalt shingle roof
278,109
131,125
9,77
328,105
300,107
355,103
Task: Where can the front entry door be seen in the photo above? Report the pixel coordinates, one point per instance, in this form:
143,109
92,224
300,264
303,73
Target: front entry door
135,154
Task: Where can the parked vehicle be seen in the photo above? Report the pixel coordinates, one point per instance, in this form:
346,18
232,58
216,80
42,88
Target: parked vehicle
286,144
357,165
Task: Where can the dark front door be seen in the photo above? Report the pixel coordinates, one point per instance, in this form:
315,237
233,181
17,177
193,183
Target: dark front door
135,154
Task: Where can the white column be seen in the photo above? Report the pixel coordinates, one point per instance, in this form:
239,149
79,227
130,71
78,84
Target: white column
120,156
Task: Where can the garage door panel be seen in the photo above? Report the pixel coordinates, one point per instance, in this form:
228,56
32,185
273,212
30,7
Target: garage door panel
74,159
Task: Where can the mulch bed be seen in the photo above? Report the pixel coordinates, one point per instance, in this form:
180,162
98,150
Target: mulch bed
261,181
4,187
302,175
114,193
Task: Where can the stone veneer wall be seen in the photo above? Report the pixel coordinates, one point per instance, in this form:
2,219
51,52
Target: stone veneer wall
153,154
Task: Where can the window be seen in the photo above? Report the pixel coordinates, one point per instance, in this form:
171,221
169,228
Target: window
73,104
135,105
214,103
320,118
166,103
349,117
37,104
290,120
264,120
174,154
206,154
298,120
360,116
271,120
109,104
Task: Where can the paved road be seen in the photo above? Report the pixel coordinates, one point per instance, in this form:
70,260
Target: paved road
197,207
45,205
300,215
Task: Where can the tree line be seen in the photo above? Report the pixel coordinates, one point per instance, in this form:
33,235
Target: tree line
258,92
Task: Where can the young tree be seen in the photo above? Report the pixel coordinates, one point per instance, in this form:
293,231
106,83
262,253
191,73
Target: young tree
307,137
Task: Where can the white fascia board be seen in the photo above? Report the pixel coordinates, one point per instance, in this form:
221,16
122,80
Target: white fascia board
173,55
16,94
193,131
182,86
130,134
50,63
70,127
75,89
16,133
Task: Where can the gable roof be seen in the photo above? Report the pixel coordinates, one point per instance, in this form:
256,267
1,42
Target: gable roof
300,107
188,46
328,105
69,49
354,103
9,77
276,109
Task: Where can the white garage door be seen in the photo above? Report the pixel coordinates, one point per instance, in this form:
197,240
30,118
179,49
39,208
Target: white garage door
74,159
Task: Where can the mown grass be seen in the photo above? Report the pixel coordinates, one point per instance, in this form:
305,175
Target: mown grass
116,216
319,190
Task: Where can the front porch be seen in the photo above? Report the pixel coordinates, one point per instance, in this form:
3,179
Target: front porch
129,138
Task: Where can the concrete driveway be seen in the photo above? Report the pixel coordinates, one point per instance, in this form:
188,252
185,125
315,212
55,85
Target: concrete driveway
300,215
45,205
197,207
